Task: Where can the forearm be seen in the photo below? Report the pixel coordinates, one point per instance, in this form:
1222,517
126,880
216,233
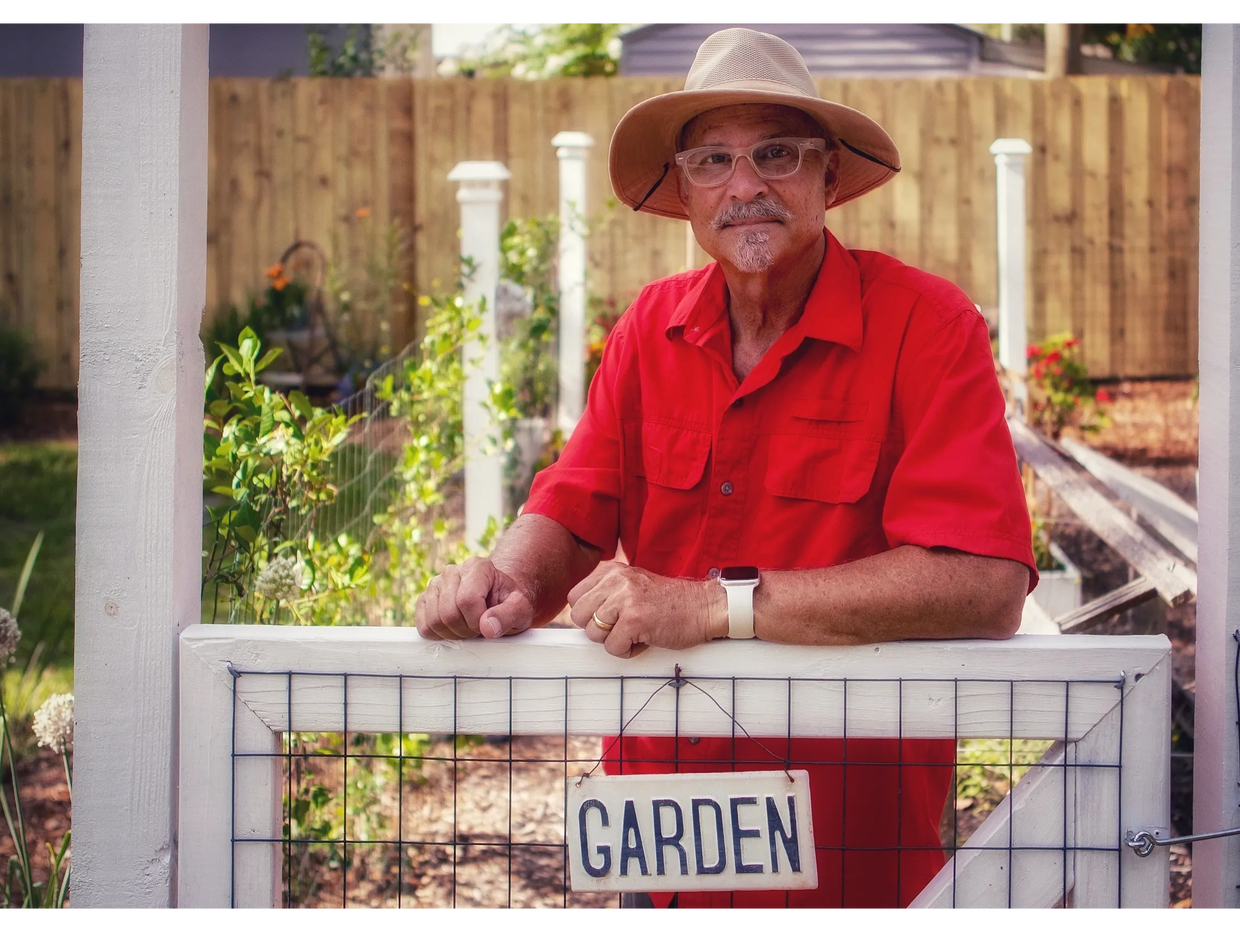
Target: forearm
545,560
909,592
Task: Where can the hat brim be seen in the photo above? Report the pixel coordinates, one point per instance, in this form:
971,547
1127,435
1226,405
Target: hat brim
643,146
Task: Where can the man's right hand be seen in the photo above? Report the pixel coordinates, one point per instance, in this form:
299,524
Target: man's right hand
472,599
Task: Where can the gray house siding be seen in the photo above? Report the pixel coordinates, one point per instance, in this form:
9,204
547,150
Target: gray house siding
236,50
828,48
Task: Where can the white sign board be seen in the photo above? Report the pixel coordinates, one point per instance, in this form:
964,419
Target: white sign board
693,831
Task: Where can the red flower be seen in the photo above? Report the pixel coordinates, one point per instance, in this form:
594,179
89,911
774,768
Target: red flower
1103,397
1032,351
1068,344
1054,357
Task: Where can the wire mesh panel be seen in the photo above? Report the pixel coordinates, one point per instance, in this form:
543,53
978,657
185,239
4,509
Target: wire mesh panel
448,789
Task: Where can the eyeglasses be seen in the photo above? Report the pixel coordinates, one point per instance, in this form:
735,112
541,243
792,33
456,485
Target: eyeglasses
709,166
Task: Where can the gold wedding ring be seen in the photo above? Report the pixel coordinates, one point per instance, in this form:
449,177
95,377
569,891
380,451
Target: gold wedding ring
602,624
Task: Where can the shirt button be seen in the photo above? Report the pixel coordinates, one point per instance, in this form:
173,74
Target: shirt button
738,403
726,488
714,573
694,740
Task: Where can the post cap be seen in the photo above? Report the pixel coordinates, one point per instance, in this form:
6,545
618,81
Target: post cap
478,172
1011,147
572,140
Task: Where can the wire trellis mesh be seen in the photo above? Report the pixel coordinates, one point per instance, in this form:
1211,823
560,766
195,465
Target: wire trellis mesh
414,819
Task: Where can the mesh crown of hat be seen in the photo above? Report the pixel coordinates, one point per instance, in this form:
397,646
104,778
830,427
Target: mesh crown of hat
733,55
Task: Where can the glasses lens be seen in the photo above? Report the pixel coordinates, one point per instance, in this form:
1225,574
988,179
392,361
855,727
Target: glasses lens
776,159
709,166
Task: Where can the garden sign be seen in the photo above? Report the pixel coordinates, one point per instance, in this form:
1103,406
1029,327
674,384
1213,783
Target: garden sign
691,831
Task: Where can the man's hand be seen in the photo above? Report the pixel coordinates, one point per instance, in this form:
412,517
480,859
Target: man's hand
644,609
472,599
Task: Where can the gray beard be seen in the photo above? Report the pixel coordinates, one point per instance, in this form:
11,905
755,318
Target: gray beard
753,252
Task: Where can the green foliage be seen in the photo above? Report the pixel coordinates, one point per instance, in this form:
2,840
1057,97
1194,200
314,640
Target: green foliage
528,358
1059,388
269,456
355,58
282,305
988,768
1166,43
40,497
550,51
19,371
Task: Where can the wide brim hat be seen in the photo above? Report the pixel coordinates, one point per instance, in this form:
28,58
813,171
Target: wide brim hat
739,66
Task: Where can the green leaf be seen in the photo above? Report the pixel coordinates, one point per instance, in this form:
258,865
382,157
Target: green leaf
267,359
301,404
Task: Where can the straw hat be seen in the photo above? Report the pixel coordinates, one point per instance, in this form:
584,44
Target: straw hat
739,66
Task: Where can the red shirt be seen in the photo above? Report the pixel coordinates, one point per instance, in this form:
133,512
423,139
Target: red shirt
874,421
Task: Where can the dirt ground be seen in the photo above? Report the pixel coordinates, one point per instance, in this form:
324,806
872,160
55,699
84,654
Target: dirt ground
1153,428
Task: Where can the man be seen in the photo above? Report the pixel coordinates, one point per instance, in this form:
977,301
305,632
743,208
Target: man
828,417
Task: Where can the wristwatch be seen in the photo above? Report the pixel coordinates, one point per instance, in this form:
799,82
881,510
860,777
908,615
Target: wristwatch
739,582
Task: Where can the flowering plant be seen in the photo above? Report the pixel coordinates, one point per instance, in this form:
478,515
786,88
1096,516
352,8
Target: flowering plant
1060,392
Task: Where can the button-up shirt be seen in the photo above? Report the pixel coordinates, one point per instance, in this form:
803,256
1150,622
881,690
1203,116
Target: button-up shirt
875,421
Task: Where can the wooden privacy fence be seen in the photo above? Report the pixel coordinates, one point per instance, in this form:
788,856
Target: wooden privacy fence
1113,185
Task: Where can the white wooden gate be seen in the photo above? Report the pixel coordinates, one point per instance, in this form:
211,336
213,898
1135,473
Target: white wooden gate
1059,835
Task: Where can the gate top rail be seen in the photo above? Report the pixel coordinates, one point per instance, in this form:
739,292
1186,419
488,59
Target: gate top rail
550,680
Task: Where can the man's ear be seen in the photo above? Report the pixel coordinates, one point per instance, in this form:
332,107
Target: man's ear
832,176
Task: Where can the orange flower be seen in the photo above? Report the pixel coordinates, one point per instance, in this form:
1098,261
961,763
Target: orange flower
279,282
361,213
275,271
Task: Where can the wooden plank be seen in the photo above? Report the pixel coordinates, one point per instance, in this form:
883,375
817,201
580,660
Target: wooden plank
976,677
1175,581
327,123
1147,221
976,217
1190,107
1181,112
1044,245
9,280
68,175
1169,515
1095,224
939,190
24,209
906,116
400,200
1118,157
1105,607
280,162
870,216
41,229
978,875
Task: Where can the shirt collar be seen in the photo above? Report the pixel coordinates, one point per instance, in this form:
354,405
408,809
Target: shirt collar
832,311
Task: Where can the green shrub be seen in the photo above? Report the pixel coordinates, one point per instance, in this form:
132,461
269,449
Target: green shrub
19,371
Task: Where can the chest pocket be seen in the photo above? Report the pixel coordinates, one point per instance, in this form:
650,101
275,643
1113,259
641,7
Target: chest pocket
831,458
674,457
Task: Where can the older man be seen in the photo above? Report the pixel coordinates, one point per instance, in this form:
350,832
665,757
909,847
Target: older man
799,443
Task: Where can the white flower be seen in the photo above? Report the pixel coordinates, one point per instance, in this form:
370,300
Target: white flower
53,723
279,579
10,634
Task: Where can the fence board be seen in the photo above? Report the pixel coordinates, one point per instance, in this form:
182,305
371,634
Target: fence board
1113,192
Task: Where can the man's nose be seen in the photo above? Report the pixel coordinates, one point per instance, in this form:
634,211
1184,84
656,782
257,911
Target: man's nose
745,183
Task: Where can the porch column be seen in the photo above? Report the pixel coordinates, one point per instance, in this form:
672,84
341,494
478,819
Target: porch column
139,494
1216,772
479,196
1010,157
572,149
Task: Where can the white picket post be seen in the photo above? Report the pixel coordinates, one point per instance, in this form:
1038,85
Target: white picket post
479,196
1010,157
1216,765
139,492
572,151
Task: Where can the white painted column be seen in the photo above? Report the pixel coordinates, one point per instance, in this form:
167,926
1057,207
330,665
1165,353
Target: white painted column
572,149
479,196
1010,158
139,494
1216,770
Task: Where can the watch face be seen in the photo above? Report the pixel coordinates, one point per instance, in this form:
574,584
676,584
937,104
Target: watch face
739,574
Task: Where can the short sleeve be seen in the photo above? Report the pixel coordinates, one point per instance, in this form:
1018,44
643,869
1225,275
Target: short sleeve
581,490
957,483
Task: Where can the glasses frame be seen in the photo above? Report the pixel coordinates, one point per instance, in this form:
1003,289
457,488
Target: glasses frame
801,144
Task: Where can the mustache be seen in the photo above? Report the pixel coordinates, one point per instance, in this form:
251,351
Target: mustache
761,209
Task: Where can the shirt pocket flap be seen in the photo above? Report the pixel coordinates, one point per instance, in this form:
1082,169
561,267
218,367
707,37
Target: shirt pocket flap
825,469
829,409
674,456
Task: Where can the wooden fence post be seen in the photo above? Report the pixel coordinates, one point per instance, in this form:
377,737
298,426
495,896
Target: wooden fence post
1216,771
1010,156
139,493
479,196
572,149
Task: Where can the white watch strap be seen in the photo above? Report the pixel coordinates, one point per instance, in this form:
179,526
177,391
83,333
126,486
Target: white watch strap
740,610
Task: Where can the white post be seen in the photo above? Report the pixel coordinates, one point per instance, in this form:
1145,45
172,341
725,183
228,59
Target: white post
1216,773
139,494
571,149
479,196
1010,156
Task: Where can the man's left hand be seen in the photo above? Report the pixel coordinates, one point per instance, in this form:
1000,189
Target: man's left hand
647,610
